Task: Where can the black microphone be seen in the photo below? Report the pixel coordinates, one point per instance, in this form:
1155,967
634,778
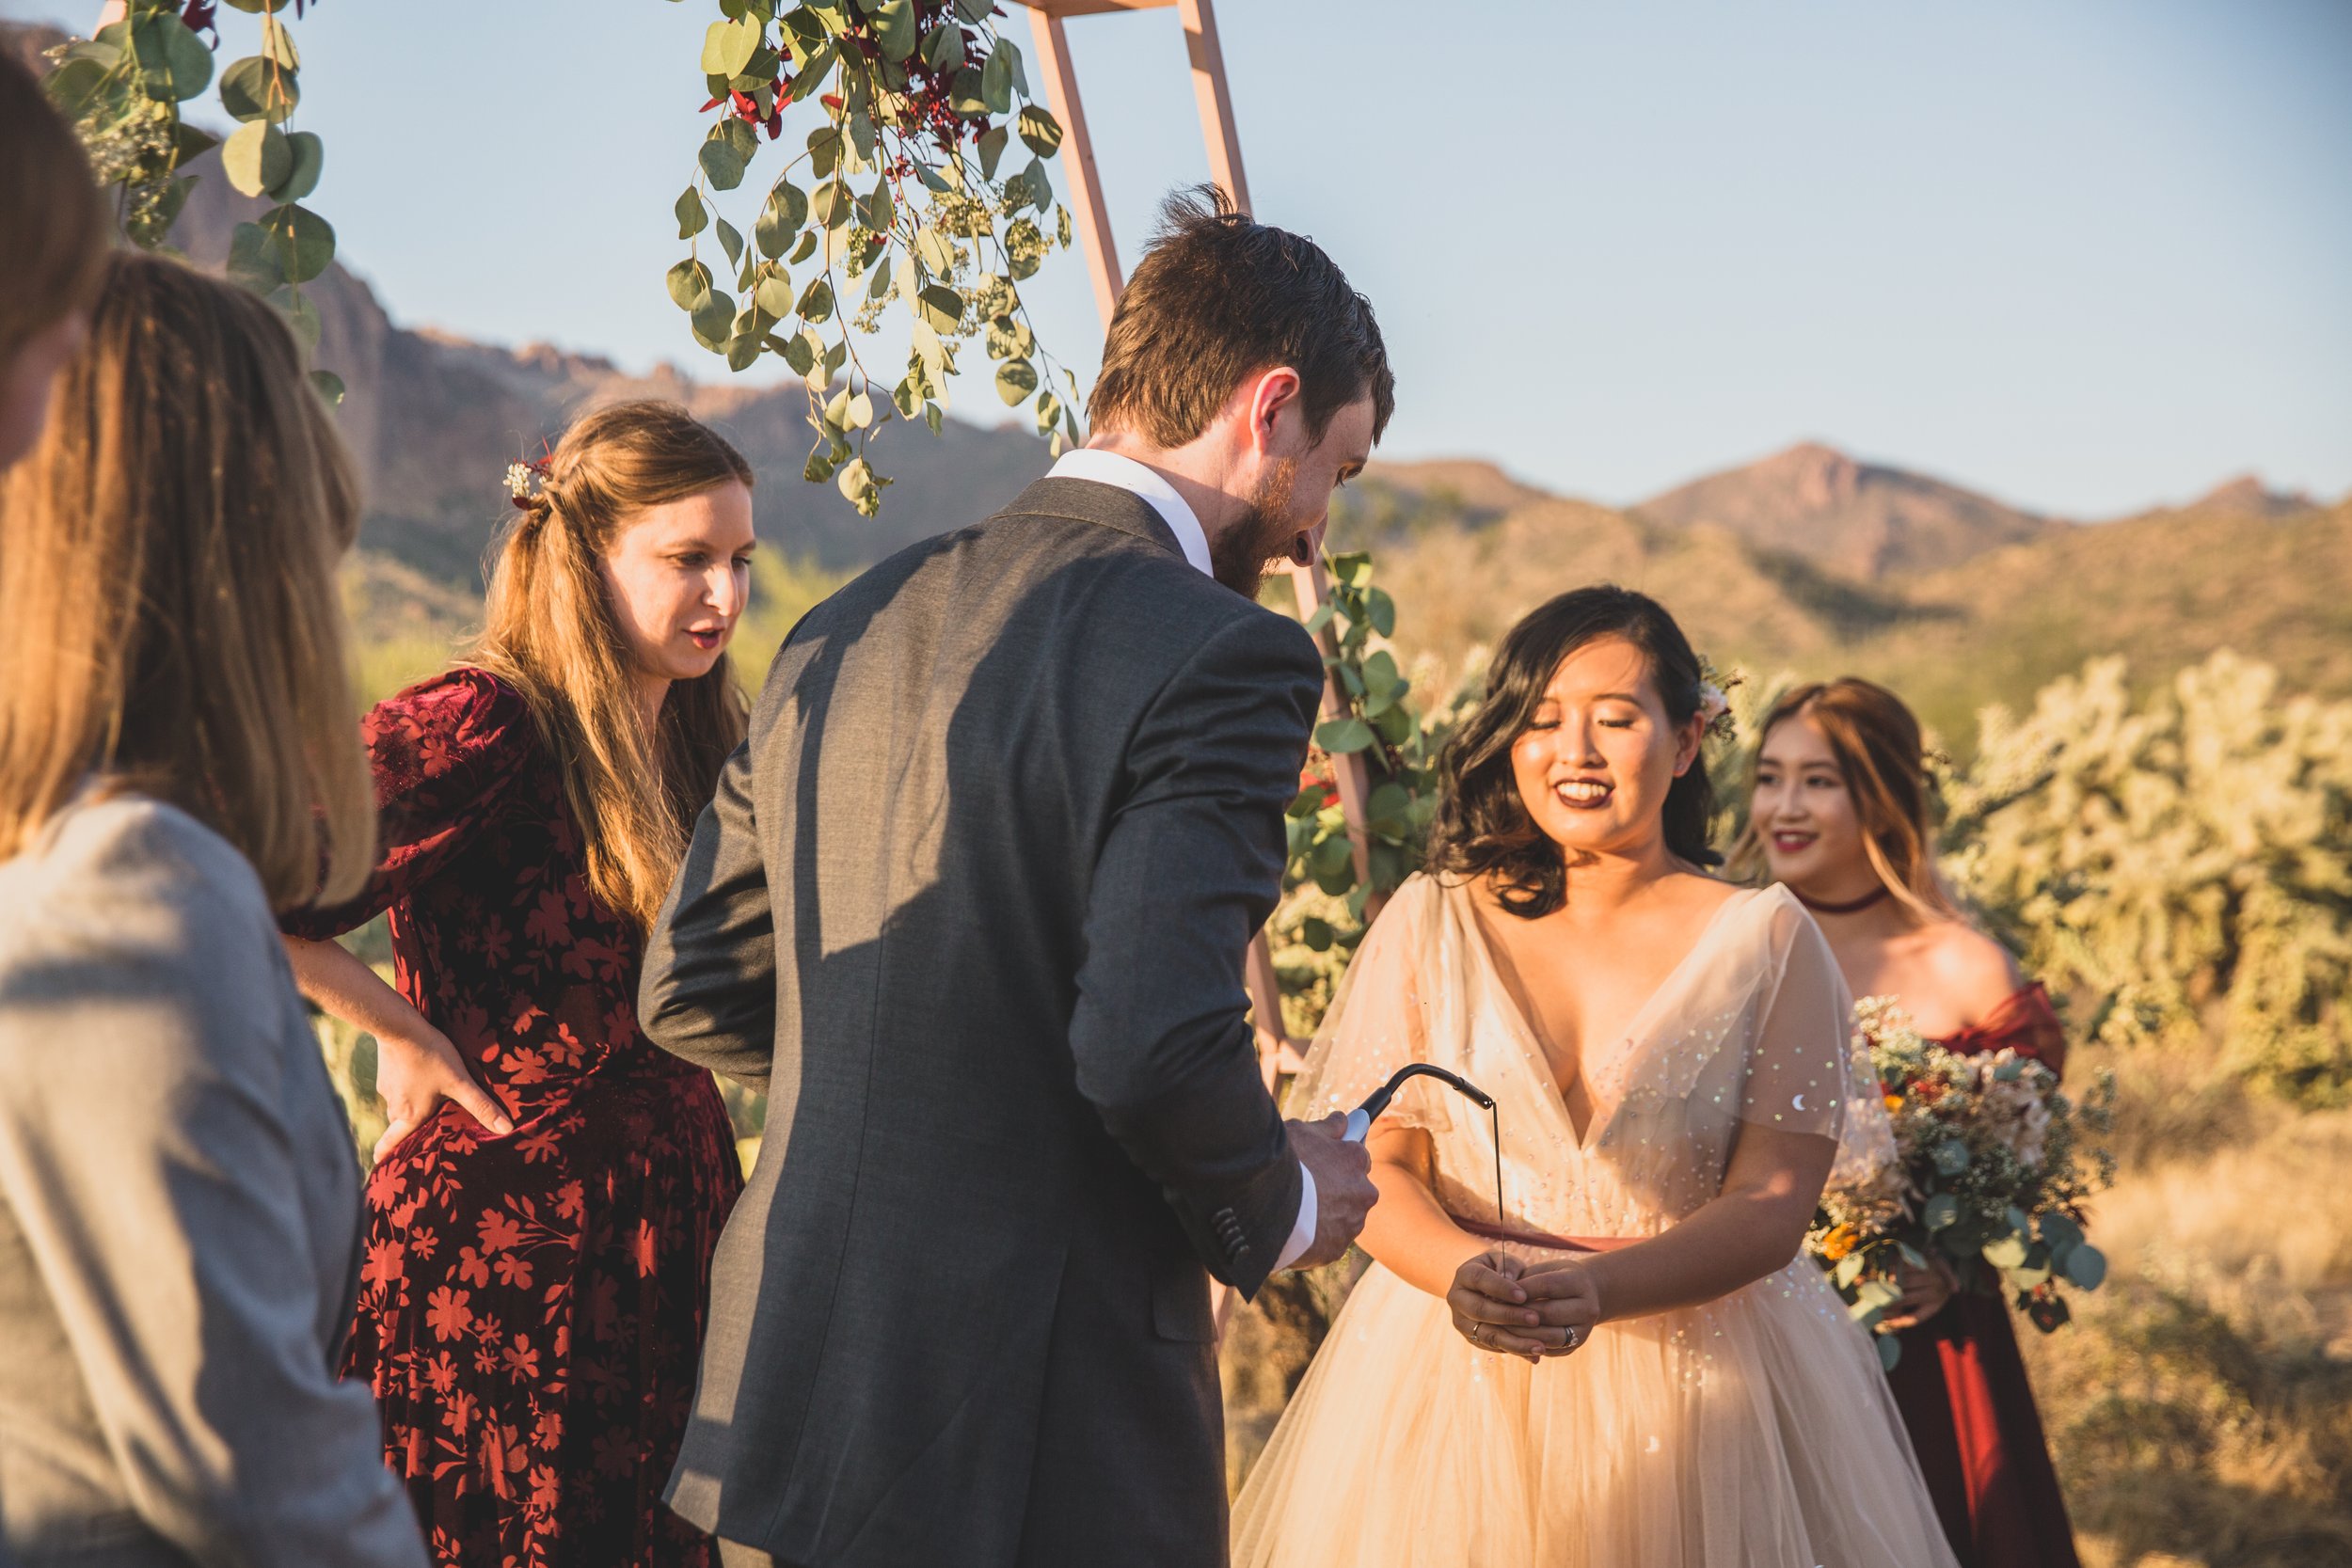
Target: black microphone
1359,1120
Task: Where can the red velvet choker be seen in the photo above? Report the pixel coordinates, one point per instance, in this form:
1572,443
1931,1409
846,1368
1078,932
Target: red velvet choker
1854,907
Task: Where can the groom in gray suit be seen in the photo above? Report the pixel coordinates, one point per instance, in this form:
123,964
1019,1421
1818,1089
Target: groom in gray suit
971,905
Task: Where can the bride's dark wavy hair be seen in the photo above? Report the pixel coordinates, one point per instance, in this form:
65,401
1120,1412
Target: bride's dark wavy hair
1482,828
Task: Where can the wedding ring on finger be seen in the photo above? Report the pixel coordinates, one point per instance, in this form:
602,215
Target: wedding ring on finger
1478,1335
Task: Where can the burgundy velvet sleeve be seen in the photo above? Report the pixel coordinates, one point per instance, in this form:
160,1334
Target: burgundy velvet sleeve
442,753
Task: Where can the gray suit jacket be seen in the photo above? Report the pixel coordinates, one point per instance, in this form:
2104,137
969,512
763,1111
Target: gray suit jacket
179,1222
972,905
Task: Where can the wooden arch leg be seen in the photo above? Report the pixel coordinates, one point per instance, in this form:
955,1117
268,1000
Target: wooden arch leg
1085,180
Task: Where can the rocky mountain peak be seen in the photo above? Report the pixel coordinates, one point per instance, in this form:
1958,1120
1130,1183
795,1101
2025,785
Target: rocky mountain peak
2246,496
1815,475
1867,520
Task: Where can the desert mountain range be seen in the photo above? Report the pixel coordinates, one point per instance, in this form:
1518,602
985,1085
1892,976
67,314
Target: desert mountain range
2001,601
1808,561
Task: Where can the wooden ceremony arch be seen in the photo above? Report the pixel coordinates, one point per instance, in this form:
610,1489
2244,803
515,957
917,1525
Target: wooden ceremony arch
1277,1053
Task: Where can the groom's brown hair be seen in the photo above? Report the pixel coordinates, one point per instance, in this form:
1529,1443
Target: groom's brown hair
1219,296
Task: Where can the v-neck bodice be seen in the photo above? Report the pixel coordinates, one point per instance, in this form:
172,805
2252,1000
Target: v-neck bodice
1499,971
1749,1026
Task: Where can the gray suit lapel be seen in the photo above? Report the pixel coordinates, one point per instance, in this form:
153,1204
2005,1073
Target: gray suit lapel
1103,505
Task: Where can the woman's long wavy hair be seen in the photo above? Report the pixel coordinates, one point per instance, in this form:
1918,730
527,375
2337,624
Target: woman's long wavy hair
552,633
169,621
1482,828
1882,758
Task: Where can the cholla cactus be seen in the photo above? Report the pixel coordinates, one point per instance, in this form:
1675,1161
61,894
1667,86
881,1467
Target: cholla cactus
2184,859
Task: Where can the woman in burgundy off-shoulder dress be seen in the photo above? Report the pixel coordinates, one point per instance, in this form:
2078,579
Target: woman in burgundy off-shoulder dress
1961,1382
1840,814
543,1211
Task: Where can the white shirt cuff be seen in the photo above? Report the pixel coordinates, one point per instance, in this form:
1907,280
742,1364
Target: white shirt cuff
1303,1232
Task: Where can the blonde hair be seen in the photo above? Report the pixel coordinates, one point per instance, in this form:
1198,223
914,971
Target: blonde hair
552,633
1882,758
53,226
169,620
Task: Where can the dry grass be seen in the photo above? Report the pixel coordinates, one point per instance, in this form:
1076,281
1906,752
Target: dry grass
2200,1406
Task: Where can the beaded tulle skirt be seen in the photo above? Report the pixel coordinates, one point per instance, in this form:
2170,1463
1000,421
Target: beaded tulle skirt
1756,1431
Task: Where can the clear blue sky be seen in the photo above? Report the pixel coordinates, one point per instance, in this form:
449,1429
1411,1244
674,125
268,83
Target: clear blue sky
2088,256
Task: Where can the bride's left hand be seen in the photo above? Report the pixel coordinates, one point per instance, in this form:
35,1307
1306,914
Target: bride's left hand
1566,1302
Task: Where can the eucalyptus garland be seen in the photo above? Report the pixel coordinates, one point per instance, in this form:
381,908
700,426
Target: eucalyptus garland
124,87
914,197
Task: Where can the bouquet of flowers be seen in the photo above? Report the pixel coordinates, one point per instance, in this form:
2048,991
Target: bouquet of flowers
1992,1172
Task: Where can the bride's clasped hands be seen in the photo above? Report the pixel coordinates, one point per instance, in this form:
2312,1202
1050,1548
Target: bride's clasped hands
1501,1301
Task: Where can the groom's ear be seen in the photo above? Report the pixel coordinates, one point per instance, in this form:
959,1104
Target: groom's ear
1276,412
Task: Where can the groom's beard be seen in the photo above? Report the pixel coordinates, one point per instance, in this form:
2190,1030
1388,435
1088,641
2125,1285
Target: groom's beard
1262,534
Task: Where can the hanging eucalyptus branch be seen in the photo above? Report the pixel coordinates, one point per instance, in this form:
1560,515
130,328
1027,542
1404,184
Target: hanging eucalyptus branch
123,90
926,98
1399,748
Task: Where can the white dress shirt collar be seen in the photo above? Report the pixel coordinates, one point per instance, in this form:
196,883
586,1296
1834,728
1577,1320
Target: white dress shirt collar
1125,473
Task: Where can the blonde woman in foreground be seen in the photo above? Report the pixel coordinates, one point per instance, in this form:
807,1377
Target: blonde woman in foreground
545,1203
178,1208
1630,1366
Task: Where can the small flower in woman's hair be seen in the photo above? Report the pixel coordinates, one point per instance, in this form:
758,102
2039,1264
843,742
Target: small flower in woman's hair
525,481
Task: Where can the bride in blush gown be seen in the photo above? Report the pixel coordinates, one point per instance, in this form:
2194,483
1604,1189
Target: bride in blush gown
1631,1365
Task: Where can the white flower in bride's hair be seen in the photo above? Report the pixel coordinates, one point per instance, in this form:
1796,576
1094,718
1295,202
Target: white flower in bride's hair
518,480
1714,703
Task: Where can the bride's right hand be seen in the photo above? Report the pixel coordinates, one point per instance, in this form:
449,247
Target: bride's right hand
415,1073
1489,1306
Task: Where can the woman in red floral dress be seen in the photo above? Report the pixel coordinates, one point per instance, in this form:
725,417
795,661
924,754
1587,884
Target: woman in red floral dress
1840,815
546,1200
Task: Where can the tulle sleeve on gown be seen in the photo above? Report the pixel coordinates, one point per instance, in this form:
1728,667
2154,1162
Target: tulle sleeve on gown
1385,1017
1809,1070
1754,1432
